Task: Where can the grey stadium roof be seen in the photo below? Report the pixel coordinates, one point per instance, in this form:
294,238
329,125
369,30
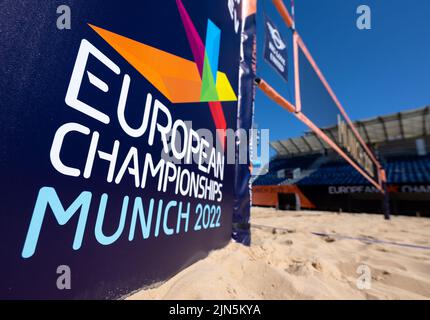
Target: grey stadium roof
403,125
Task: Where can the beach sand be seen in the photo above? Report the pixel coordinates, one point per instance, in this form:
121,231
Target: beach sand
287,261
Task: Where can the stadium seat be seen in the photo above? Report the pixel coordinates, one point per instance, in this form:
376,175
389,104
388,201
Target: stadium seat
399,171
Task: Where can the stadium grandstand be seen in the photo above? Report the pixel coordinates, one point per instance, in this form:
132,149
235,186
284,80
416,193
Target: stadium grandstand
306,173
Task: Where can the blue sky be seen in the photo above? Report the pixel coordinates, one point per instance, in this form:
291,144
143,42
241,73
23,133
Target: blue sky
373,72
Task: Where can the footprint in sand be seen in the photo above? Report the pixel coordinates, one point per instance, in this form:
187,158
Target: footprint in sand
329,239
317,266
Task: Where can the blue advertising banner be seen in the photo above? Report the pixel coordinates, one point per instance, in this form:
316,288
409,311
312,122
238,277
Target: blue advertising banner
275,49
110,181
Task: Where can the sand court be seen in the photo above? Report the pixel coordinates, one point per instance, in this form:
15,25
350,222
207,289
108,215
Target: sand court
288,261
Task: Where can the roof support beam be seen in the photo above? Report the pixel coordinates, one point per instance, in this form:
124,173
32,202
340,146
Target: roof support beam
307,143
276,146
280,148
330,133
384,128
285,148
320,141
426,112
363,127
402,129
295,145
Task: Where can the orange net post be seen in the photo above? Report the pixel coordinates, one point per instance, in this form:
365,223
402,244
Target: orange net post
272,94
283,11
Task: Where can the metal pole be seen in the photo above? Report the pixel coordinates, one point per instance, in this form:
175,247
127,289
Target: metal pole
386,196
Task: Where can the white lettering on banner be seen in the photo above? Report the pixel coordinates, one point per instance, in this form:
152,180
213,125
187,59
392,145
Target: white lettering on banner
275,49
233,7
352,189
153,221
172,134
372,189
276,57
72,100
121,161
277,54
415,189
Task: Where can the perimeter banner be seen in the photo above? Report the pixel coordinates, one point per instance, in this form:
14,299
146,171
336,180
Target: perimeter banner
113,166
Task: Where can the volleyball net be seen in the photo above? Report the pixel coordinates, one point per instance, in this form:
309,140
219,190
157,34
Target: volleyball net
289,76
